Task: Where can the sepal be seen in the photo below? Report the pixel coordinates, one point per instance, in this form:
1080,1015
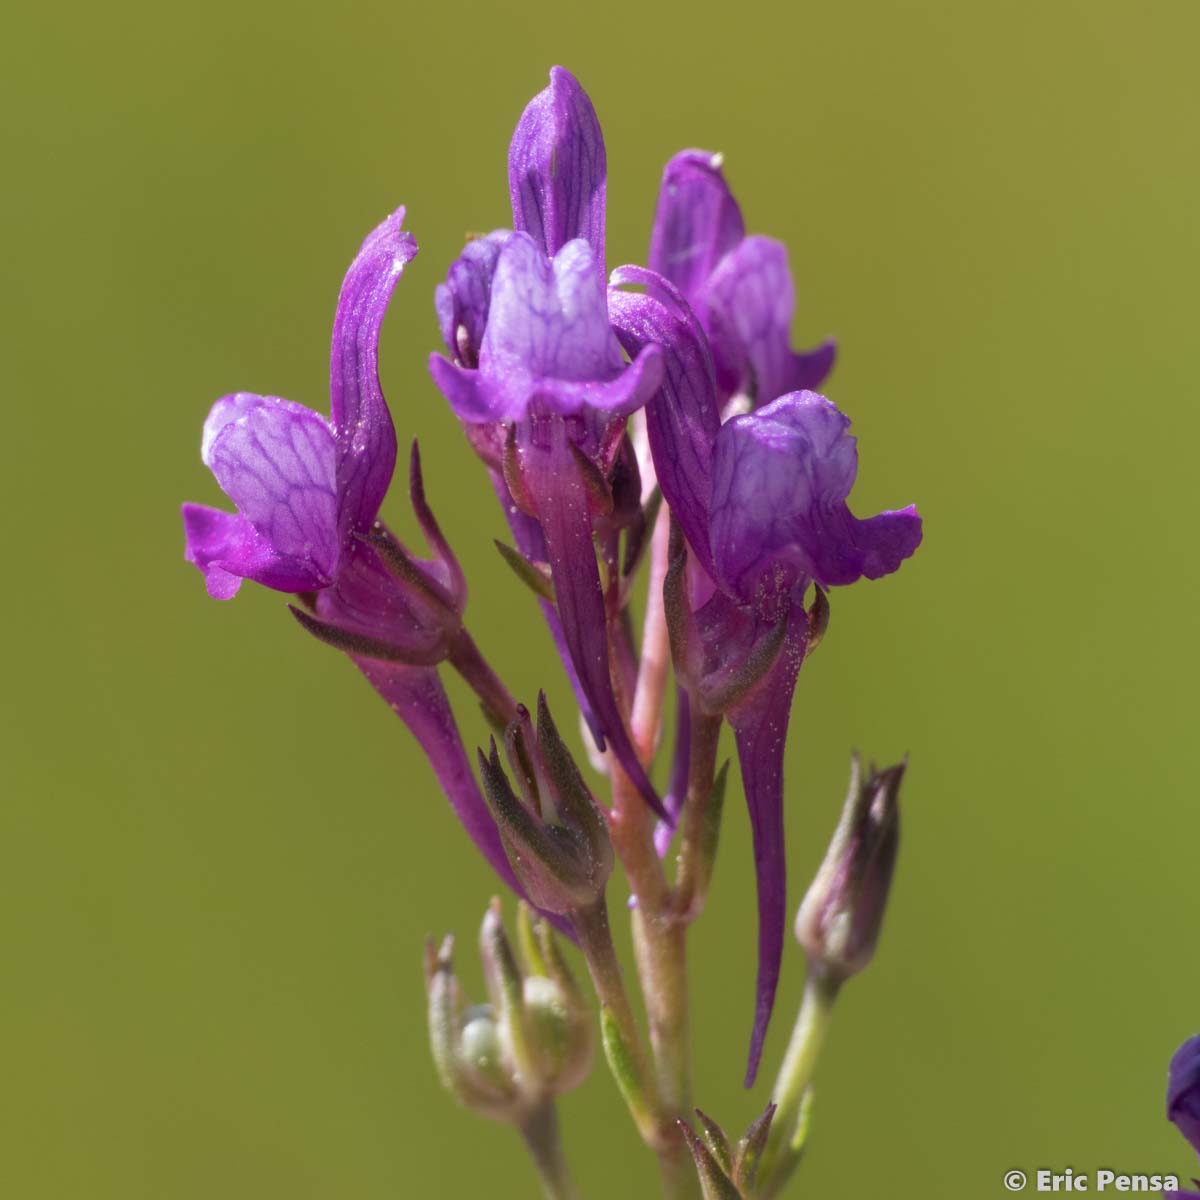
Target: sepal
554,833
818,618
534,576
749,1150
362,645
725,1172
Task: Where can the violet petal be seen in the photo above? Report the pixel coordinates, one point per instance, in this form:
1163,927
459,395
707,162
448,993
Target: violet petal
226,549
548,340
361,422
781,476
462,302
697,221
275,461
682,418
557,168
748,306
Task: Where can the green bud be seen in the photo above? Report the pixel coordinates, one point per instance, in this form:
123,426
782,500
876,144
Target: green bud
531,1042
482,1049
466,1045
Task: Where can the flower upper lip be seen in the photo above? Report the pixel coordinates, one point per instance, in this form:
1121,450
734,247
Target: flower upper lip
740,287
304,486
546,342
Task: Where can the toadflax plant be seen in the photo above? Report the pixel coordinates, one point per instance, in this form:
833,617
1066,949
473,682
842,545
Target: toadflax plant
653,421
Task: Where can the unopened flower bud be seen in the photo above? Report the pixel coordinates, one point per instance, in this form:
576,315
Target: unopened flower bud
466,1044
839,920
531,1042
553,831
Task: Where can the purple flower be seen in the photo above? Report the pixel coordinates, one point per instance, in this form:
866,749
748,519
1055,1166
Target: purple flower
1183,1100
304,486
307,493
538,379
547,348
761,501
779,518
740,287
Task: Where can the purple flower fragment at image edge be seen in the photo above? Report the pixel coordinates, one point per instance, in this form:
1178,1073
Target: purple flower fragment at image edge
1183,1101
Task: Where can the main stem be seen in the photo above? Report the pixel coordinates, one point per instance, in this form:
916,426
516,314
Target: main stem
795,1077
659,937
540,1131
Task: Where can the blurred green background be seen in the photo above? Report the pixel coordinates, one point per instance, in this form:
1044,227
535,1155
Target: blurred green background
219,852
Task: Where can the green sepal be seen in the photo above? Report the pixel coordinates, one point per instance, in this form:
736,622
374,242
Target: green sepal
720,697
818,618
714,1183
748,1152
715,1139
362,646
533,576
